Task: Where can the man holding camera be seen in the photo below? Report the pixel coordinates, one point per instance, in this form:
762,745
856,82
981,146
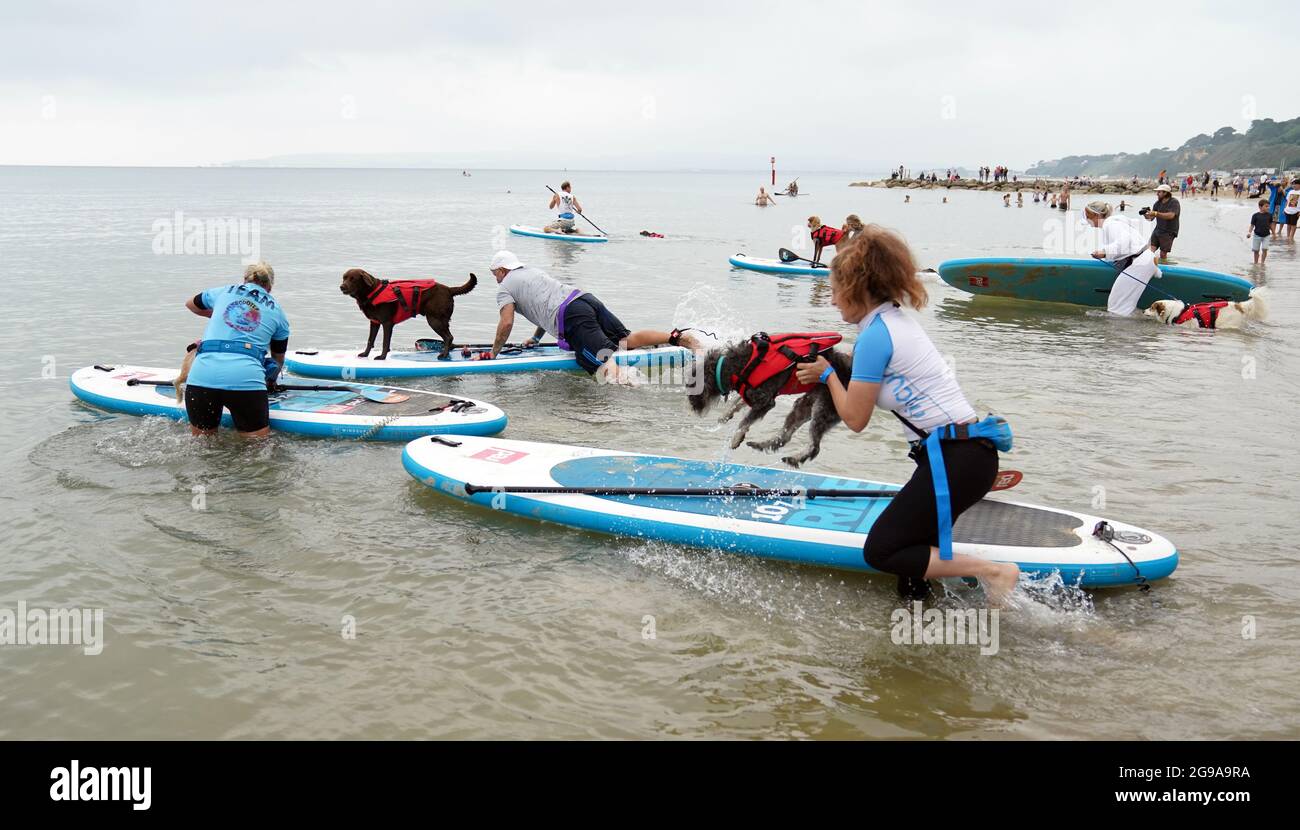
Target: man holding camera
1165,214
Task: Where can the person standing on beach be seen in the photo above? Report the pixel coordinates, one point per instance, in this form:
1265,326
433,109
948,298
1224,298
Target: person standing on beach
1165,214
565,205
1291,208
1276,191
1123,247
1261,232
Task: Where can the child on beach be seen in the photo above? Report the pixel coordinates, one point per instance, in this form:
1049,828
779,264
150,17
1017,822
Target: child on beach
1261,232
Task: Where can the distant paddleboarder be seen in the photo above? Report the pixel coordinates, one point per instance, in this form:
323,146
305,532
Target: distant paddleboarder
577,319
1123,245
566,207
822,236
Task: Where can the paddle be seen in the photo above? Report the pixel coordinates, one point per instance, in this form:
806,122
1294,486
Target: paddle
376,394
435,345
589,222
1005,481
787,256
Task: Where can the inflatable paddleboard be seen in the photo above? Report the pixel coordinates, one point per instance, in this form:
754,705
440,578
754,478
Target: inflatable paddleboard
776,266
343,364
1083,281
321,413
520,230
818,531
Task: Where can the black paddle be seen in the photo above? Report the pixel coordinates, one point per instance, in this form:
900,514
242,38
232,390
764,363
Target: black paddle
787,256
589,222
435,345
1005,481
370,394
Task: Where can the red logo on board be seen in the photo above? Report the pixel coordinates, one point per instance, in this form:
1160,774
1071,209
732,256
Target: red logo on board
980,282
498,455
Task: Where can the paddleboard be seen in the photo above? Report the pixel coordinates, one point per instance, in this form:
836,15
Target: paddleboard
1083,281
323,413
776,266
520,230
343,364
821,531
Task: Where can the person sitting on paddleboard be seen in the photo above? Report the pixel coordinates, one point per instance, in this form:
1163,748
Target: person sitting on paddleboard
852,226
577,319
792,189
897,368
232,369
566,207
822,235
1124,246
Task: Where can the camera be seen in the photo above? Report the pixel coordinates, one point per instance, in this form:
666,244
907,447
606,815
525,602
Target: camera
1144,211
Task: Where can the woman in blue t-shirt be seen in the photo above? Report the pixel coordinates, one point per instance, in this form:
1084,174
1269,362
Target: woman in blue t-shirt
896,367
230,370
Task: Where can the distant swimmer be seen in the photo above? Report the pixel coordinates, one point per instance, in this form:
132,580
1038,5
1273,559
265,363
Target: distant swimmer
1020,199
907,199
1123,245
565,205
822,236
763,199
1006,200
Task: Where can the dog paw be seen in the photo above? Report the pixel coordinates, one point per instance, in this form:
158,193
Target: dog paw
793,460
382,356
364,354
762,446
735,442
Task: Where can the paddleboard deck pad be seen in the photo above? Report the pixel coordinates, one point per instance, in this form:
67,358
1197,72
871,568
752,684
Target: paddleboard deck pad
1084,281
521,230
321,413
824,531
776,266
343,364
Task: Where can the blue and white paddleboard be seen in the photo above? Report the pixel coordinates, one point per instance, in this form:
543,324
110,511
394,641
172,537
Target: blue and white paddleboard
321,413
1084,281
776,266
821,531
521,230
343,364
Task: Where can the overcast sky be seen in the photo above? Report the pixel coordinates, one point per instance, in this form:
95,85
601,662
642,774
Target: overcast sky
854,85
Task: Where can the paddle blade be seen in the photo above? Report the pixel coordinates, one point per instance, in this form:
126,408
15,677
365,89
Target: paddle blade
380,395
788,255
428,344
1007,479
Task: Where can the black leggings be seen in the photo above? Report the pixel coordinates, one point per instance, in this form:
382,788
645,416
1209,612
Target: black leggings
900,540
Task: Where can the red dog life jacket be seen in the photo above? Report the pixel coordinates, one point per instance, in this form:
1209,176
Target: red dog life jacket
1205,313
406,293
828,235
770,355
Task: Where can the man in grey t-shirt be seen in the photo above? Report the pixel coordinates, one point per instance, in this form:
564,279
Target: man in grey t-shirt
579,321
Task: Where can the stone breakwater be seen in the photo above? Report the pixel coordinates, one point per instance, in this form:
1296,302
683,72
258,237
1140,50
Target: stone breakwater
1027,185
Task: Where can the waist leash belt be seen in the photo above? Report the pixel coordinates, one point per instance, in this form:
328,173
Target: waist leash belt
270,366
559,320
993,428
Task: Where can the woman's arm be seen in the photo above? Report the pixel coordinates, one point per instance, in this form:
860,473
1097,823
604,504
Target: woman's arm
855,405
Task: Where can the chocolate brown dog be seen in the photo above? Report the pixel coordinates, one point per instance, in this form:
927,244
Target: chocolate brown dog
388,303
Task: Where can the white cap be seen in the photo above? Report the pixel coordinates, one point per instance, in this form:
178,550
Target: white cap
506,260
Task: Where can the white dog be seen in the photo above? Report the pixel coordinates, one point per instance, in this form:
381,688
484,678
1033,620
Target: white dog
1216,315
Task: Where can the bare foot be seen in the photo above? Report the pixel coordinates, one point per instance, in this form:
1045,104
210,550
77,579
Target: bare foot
999,586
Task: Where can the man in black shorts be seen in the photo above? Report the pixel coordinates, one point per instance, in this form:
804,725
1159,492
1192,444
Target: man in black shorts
578,320
1165,214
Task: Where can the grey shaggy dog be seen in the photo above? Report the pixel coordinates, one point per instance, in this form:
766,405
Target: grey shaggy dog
815,406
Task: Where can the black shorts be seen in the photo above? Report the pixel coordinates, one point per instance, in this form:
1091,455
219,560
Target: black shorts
1292,218
900,540
249,408
1163,241
592,331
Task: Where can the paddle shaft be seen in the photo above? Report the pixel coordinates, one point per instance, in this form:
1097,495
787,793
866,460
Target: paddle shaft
482,345
369,394
580,213
1005,481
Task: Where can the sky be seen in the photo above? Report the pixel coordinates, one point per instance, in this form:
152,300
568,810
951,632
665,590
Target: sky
836,86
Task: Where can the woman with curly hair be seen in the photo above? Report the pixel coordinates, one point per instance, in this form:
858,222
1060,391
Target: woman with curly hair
897,368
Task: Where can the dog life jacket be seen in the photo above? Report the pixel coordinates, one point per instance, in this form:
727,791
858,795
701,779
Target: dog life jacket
828,235
770,355
1205,313
406,293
